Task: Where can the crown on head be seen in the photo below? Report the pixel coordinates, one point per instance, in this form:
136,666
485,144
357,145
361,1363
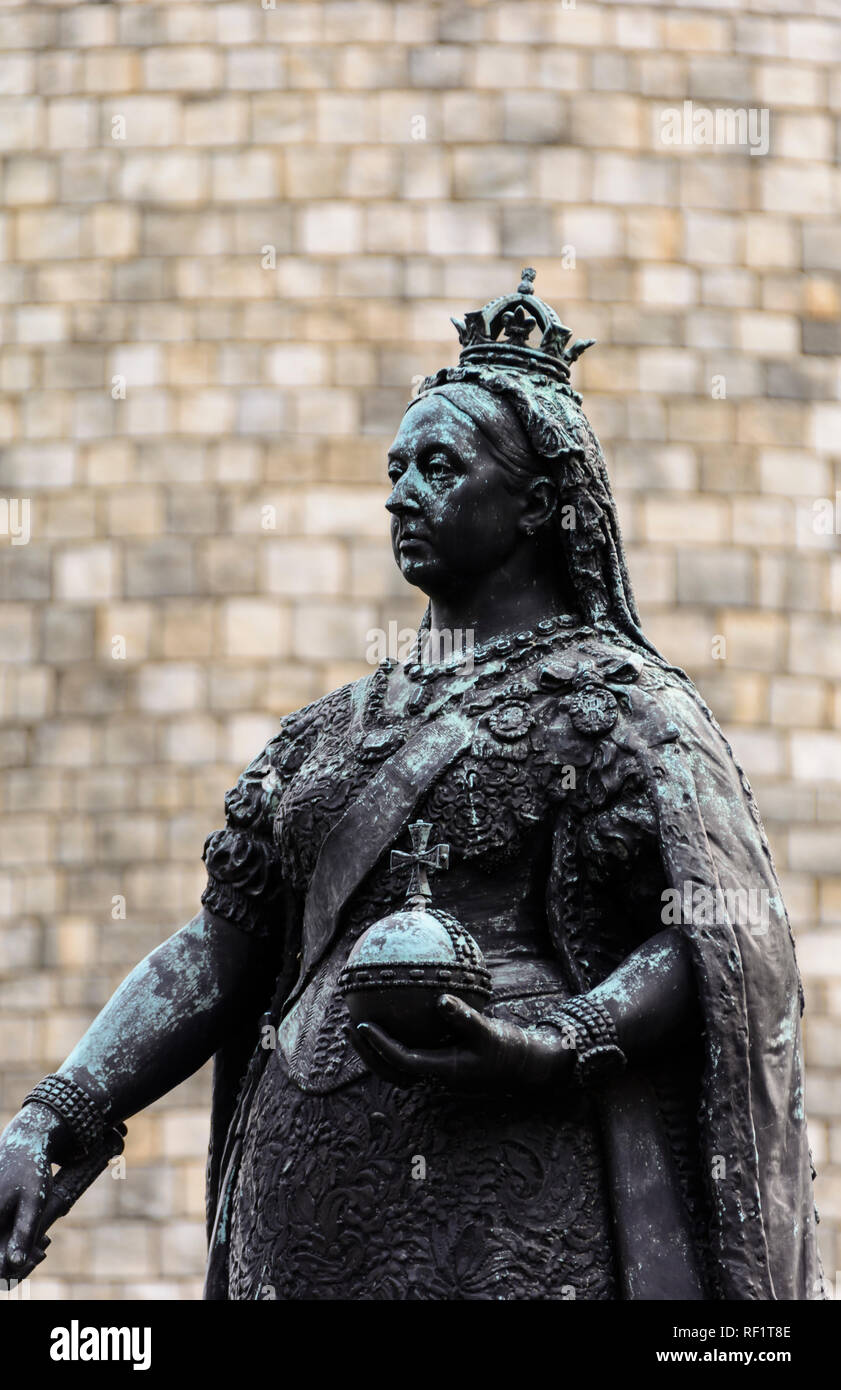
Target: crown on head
498,334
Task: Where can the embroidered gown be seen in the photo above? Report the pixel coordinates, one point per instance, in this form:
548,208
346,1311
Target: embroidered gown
349,1187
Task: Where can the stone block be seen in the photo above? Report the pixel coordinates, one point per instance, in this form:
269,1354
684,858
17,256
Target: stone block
122,1247
159,568
716,577
182,68
255,627
300,567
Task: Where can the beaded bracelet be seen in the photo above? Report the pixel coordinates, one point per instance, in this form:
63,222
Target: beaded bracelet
598,1055
83,1118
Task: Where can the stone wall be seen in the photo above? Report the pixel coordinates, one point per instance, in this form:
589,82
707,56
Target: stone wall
233,235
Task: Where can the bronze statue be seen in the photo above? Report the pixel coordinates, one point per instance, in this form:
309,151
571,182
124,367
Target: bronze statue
568,1066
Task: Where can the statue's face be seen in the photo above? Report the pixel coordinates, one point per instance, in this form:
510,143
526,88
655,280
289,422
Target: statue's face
452,516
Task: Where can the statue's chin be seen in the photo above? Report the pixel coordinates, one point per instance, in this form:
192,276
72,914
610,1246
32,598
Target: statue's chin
419,571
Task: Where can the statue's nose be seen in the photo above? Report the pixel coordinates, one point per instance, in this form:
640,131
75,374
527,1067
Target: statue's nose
401,500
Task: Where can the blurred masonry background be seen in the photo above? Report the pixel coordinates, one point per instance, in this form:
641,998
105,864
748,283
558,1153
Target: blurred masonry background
233,234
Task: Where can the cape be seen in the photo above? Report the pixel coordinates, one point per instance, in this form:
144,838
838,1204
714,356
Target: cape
645,724
756,1157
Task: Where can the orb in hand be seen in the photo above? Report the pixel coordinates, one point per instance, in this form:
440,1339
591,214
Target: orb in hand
400,967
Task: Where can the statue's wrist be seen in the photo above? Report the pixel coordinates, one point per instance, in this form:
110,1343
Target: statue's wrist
76,1125
590,1037
44,1129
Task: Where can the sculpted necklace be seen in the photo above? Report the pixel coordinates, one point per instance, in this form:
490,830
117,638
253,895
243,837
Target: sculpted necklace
507,652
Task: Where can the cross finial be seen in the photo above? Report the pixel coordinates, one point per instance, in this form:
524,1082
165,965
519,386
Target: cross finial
419,861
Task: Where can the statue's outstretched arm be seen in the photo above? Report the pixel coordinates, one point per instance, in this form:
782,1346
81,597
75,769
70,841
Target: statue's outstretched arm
165,1020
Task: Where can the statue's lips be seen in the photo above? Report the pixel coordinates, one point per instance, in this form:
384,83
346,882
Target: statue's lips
405,542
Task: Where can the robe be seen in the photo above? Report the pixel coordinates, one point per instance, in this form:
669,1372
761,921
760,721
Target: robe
625,720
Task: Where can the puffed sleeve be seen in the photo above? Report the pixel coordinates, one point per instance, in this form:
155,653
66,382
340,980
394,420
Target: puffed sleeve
243,873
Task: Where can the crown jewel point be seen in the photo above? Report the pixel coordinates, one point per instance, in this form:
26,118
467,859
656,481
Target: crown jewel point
527,278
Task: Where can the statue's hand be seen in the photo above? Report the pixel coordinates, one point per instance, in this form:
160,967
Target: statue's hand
25,1185
488,1053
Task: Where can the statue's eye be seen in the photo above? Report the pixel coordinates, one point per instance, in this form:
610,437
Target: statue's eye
395,471
438,462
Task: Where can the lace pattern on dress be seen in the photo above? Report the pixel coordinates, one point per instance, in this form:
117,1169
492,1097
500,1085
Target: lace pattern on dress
372,1192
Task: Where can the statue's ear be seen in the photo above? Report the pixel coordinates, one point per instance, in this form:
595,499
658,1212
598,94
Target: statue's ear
540,501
